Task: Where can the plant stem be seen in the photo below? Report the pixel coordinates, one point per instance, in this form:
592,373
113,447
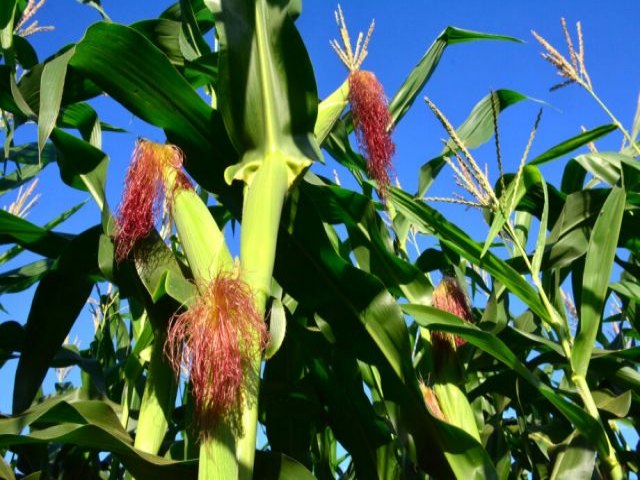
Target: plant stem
609,458
264,197
612,116
579,381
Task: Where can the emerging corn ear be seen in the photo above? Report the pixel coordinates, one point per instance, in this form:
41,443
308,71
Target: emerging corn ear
222,331
371,116
145,187
452,401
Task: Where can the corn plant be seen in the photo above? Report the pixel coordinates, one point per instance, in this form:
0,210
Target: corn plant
358,332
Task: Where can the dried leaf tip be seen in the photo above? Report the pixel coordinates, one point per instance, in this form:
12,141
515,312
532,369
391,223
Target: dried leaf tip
352,59
154,169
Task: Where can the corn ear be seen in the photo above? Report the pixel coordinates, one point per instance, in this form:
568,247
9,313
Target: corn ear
456,408
200,237
329,111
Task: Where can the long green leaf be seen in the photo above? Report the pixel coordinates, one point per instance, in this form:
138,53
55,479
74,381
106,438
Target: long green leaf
58,300
268,95
84,167
119,59
419,76
369,240
276,466
31,237
362,314
572,144
51,89
597,272
90,424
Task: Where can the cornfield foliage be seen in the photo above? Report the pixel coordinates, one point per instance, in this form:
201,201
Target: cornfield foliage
512,356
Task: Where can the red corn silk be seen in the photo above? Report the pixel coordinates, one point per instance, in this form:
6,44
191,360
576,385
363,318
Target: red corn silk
215,341
371,119
144,191
448,296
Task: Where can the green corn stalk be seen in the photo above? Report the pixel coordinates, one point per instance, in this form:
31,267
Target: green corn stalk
268,100
157,401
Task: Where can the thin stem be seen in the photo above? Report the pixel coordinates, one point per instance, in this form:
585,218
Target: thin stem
560,328
613,117
610,460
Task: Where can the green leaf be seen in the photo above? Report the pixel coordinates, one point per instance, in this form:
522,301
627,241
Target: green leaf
58,300
277,328
119,59
83,117
419,76
276,466
575,459
615,405
542,233
163,275
19,279
572,144
436,319
607,166
164,34
369,240
25,53
267,90
7,10
115,57
51,88
597,272
84,167
363,316
17,249
31,237
511,197
90,424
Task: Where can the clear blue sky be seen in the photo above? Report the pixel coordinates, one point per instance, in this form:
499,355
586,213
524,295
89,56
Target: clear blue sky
404,31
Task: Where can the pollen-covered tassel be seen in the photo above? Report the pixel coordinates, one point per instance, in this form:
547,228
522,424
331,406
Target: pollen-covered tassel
152,164
215,341
369,108
448,296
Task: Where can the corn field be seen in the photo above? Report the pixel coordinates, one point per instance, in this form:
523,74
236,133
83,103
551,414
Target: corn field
256,318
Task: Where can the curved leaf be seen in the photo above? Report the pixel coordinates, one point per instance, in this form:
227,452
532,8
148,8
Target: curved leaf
267,93
419,76
91,424
573,143
58,300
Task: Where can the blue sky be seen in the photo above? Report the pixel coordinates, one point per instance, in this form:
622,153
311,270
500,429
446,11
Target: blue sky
404,31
